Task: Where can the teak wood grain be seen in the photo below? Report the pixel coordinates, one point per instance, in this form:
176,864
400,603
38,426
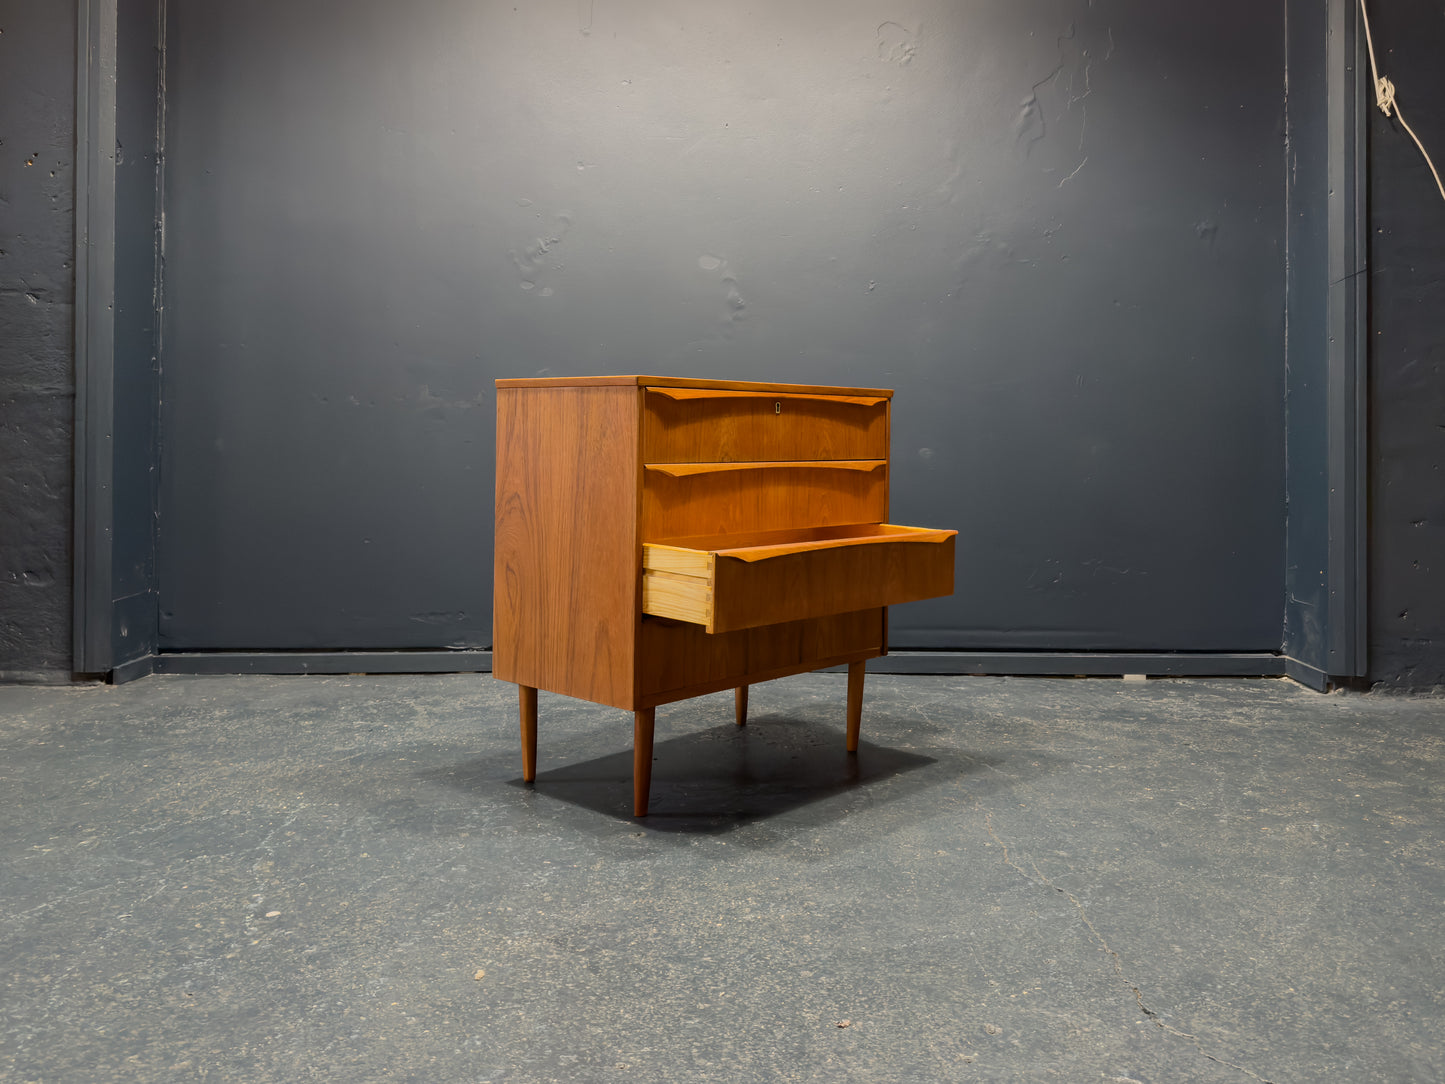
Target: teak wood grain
566,580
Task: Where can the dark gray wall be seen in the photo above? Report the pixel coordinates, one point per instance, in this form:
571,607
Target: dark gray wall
1055,227
37,147
1408,555
1407,385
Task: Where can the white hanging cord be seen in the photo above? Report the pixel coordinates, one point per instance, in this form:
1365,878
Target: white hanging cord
1385,99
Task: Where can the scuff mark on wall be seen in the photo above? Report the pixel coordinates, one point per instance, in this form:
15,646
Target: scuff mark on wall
537,259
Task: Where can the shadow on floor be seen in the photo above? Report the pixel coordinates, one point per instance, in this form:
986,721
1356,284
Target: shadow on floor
717,780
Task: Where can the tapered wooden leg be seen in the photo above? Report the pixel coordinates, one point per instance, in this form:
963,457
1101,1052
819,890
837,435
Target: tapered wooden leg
642,759
855,703
741,706
527,697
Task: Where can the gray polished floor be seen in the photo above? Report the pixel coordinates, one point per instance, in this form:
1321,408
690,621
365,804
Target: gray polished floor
283,879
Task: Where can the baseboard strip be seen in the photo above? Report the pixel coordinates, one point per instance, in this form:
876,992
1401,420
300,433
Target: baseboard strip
1307,675
323,662
1019,663
1081,663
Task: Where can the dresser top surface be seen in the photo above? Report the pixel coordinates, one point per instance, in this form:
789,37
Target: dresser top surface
687,382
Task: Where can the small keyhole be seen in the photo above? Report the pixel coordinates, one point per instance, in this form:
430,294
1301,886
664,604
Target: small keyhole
778,407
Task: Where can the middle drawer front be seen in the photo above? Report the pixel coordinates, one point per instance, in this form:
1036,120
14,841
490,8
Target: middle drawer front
703,425
682,500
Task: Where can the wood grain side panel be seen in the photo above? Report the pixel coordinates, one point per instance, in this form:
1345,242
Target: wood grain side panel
764,427
744,501
567,568
678,657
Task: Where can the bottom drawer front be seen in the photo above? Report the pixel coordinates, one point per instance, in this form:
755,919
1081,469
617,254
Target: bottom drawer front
677,660
743,587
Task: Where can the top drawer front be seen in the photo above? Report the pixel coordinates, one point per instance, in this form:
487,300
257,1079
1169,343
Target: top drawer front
685,425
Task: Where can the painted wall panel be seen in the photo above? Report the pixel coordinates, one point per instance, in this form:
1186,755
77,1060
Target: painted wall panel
1056,227
1407,357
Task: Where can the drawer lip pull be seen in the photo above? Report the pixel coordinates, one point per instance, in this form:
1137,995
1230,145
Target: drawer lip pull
725,589
767,553
684,470
681,394
677,558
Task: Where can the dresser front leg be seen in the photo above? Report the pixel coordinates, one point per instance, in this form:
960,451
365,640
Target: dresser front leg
527,699
642,724
740,707
855,703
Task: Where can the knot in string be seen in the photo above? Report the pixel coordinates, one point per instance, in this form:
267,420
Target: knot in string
1384,94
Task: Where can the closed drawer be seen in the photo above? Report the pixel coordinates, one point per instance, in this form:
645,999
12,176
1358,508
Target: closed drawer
676,658
688,499
705,425
744,582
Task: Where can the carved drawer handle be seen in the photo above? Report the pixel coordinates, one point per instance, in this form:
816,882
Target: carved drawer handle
683,470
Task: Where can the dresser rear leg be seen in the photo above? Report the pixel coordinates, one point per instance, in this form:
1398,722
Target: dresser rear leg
740,708
855,703
527,698
642,724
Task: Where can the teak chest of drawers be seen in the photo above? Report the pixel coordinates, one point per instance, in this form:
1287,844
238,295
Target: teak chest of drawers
662,538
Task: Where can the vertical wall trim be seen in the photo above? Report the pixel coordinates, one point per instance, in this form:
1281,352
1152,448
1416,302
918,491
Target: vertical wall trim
1326,296
1348,326
158,296
95,101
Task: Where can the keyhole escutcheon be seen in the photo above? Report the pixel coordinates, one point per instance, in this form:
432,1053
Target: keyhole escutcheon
778,407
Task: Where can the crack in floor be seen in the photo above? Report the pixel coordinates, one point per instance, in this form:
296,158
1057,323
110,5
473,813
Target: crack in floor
1153,1017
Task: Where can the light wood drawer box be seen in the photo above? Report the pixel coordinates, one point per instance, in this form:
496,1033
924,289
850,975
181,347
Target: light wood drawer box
725,584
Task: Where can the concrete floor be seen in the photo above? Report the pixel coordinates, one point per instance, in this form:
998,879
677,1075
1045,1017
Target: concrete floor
285,879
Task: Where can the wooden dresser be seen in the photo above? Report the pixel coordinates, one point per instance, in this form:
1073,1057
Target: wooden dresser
662,538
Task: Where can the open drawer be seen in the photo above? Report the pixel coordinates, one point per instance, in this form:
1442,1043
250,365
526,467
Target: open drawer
729,582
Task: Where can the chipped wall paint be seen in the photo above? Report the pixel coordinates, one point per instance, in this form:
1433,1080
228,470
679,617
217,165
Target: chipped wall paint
37,384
